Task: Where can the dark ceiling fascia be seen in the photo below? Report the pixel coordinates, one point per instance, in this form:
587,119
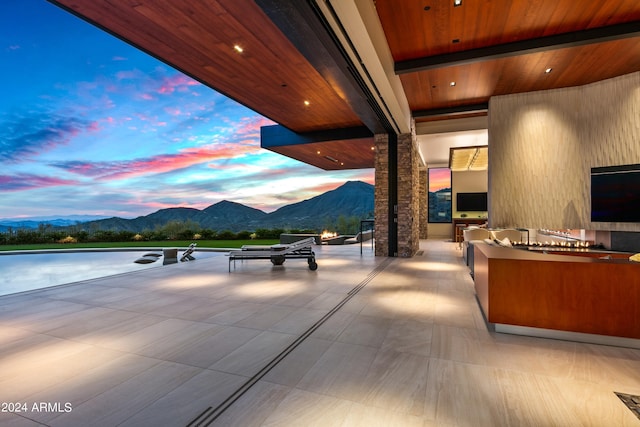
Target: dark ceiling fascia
279,136
523,47
303,24
452,111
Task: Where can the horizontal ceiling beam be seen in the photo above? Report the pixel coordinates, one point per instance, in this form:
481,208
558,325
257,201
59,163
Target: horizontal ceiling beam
523,47
452,111
278,136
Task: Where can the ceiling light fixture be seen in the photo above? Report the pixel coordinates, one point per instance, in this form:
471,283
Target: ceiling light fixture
238,48
452,84
332,159
306,103
457,3
468,158
548,70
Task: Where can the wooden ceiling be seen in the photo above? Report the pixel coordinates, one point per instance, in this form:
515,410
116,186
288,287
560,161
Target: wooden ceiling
435,31
333,155
432,44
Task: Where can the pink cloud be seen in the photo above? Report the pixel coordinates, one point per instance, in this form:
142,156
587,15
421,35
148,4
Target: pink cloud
174,111
178,82
156,164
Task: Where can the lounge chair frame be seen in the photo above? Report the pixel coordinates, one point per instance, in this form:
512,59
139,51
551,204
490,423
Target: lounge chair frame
278,254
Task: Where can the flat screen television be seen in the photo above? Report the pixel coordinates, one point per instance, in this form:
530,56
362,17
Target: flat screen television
471,202
615,194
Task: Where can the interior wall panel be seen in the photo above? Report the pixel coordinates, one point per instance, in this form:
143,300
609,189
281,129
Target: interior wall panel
542,146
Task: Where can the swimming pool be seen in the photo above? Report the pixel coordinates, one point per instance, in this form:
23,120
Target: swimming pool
25,272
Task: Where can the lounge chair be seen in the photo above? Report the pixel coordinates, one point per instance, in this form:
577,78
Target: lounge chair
277,253
186,256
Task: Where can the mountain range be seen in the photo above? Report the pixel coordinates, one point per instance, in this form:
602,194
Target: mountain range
353,198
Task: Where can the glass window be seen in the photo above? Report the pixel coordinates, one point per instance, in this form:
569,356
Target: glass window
439,194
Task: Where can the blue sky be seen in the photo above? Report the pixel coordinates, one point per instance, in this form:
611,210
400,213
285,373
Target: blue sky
91,125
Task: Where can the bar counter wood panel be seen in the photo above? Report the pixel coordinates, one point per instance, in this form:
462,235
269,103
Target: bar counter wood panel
558,292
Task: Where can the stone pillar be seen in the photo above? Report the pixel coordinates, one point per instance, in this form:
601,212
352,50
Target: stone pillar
424,208
381,209
408,196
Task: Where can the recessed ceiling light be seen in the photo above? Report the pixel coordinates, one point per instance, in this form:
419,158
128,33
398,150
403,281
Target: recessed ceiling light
548,70
238,48
457,3
318,151
452,84
373,148
306,103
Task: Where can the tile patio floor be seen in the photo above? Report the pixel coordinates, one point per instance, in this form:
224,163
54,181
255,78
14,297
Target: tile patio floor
163,346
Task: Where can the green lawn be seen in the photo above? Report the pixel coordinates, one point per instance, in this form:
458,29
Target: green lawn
157,244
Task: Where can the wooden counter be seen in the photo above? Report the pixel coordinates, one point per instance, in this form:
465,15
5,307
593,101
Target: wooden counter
558,292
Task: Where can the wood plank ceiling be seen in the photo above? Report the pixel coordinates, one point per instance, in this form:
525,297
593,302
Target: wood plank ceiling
272,77
424,29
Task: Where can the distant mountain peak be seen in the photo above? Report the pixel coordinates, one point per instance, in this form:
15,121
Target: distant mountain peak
228,205
353,198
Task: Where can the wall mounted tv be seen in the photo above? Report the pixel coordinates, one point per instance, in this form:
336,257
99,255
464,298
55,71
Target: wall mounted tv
471,202
615,194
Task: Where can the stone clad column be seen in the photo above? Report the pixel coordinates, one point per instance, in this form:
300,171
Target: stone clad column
381,208
411,194
423,197
408,195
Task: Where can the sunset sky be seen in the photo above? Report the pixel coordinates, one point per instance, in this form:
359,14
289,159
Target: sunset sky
439,178
90,125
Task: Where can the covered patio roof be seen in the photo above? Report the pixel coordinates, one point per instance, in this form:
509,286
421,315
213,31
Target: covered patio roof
329,66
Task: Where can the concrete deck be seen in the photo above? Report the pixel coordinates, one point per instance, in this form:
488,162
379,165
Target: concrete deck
362,341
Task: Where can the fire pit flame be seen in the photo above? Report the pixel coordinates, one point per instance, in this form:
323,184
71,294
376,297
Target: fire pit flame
328,234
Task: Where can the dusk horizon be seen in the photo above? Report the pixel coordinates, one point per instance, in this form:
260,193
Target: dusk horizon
89,125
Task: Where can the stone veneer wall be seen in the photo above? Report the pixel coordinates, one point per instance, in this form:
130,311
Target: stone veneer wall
542,146
408,196
423,201
381,194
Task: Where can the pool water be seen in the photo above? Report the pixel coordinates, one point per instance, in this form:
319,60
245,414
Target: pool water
24,272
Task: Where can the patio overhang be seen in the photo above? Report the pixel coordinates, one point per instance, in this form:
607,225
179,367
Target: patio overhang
335,149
